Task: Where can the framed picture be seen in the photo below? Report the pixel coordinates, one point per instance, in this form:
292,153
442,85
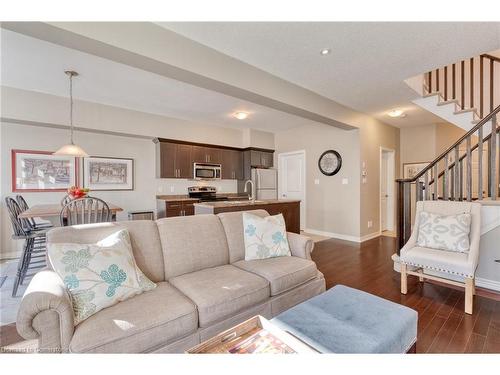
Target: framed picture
40,171
410,170
101,173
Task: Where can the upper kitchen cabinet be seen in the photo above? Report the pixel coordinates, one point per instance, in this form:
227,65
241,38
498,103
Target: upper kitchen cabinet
202,154
173,160
232,164
261,159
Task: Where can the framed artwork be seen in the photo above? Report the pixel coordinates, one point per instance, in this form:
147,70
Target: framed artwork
102,173
40,171
410,170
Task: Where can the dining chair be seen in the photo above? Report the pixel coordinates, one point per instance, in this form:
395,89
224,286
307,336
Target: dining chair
65,200
85,210
34,246
30,222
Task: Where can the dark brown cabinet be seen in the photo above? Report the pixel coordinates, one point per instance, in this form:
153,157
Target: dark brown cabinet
232,164
173,160
261,159
173,208
206,155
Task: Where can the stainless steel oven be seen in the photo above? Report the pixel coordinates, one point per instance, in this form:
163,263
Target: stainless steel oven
205,171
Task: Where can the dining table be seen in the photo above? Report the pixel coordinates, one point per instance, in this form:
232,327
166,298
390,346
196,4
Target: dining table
51,212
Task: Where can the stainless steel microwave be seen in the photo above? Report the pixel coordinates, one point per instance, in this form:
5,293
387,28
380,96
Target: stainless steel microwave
204,171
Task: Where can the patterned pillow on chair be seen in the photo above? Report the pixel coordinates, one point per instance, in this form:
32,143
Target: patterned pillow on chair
98,275
265,237
449,232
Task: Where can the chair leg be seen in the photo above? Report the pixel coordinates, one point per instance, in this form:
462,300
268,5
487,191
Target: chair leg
469,294
404,281
20,269
421,278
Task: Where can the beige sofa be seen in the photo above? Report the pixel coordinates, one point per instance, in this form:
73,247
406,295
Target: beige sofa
204,286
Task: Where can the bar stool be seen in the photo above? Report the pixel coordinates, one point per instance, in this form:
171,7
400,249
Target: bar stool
32,224
34,247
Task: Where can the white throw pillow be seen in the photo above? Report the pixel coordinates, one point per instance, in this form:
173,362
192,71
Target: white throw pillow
450,232
265,237
98,275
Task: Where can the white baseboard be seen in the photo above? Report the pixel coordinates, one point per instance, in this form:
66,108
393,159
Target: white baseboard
488,284
344,237
10,255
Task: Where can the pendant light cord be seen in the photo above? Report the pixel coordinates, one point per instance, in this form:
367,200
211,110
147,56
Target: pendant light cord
71,107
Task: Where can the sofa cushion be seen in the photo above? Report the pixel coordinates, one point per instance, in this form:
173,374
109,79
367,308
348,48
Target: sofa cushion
283,273
444,261
139,324
192,243
221,292
233,226
98,275
143,236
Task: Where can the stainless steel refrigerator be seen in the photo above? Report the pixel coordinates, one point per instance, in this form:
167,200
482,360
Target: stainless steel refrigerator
265,182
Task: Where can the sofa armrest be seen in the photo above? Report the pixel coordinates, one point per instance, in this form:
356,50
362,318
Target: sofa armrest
46,313
300,246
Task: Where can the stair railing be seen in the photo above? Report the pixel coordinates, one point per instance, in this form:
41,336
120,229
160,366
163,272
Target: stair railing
458,174
470,84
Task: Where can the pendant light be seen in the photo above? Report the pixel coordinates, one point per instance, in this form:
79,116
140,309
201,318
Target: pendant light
71,149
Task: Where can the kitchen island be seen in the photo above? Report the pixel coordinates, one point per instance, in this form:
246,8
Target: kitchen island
290,208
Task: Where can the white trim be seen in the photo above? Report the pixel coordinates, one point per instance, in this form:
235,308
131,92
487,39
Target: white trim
304,183
393,190
488,284
344,237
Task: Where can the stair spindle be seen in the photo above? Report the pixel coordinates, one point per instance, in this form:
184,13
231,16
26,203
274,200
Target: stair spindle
492,150
468,180
446,83
480,163
471,100
456,169
436,179
445,179
481,86
462,84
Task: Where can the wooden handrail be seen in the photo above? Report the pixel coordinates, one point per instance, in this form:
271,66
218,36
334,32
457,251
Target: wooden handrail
471,132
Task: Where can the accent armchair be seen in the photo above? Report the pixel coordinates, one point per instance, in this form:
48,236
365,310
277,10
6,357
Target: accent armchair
461,267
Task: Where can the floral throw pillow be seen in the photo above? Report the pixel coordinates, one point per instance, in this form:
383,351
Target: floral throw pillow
265,237
98,275
449,232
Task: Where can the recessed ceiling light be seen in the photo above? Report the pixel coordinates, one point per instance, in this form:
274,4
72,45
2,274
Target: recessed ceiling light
240,115
325,51
396,113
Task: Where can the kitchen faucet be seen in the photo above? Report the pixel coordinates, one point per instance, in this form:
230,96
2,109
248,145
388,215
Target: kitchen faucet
252,192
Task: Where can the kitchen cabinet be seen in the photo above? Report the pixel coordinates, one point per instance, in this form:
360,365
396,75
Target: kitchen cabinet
173,160
261,159
232,164
203,154
172,208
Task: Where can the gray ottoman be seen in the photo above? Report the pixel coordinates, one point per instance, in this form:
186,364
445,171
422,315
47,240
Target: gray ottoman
347,320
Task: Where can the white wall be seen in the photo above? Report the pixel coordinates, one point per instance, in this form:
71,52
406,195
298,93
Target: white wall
331,206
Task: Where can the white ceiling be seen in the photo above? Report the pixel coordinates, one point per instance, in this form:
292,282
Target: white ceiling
369,61
32,64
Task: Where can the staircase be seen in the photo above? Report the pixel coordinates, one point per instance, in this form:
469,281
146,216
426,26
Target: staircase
466,94
462,93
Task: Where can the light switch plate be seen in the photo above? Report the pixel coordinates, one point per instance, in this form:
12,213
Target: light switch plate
316,181
345,181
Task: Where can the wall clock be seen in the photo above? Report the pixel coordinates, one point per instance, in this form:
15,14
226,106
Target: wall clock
329,162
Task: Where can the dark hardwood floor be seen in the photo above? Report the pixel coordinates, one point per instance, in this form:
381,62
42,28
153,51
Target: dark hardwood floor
443,327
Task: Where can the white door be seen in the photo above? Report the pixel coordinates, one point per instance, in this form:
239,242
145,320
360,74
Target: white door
292,180
387,176
383,192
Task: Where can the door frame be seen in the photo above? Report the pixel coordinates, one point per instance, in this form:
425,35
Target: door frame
393,211
304,184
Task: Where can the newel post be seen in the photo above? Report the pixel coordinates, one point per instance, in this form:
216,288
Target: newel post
404,214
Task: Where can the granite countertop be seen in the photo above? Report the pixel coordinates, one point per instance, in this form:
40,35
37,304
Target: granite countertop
185,197
243,203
